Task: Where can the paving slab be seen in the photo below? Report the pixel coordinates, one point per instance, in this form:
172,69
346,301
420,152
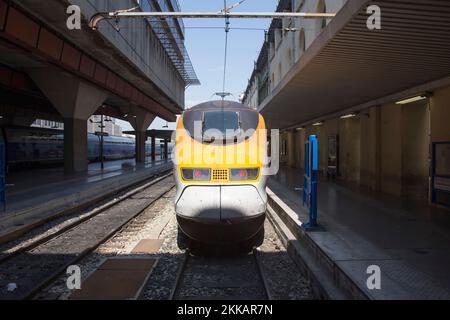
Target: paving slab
116,279
147,246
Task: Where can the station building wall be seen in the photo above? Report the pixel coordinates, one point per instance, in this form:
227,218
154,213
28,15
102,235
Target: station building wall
440,128
384,148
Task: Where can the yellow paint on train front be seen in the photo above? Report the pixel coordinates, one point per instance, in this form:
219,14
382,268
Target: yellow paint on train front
250,153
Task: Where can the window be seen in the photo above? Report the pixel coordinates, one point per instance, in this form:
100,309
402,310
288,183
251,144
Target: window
278,38
220,120
240,121
301,41
300,4
322,8
289,57
279,72
287,23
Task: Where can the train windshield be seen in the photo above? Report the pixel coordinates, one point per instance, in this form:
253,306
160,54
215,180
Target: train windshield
221,120
212,124
220,126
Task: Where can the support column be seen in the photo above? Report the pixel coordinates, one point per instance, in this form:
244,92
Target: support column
291,149
153,148
166,150
75,145
140,121
377,114
76,101
141,137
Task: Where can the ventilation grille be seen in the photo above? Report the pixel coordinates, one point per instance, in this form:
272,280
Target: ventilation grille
220,174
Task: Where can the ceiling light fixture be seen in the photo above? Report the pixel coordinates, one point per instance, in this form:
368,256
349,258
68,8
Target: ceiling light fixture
347,116
413,99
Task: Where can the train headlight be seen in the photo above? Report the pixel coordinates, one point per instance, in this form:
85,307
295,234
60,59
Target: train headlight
196,174
244,174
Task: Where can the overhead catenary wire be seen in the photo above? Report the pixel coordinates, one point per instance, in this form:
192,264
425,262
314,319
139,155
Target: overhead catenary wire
218,27
98,17
227,30
226,10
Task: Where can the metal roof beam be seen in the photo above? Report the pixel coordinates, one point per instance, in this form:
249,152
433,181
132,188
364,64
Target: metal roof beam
93,23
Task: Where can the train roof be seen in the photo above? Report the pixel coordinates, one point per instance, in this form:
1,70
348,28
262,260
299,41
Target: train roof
35,129
220,104
248,117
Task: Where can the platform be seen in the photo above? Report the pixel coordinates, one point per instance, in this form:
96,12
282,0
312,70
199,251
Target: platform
408,239
34,196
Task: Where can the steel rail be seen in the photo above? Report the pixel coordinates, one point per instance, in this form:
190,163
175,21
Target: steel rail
178,278
262,274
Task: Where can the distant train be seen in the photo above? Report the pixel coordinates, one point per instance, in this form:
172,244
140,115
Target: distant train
29,146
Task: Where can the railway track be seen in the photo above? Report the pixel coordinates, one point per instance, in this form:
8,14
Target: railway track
221,277
53,228
39,263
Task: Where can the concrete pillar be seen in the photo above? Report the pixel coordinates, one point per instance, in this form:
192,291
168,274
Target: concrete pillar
76,101
75,145
350,153
301,148
415,149
141,137
298,140
140,121
291,149
370,148
153,148
391,141
166,149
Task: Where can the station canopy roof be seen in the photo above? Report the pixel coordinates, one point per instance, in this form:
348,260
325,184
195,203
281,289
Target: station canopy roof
350,67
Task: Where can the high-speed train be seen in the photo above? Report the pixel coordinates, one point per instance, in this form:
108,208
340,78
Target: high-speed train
218,167
35,146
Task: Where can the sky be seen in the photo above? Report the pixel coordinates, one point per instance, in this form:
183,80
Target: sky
206,50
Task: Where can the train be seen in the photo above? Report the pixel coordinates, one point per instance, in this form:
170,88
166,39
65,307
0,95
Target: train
30,146
218,169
